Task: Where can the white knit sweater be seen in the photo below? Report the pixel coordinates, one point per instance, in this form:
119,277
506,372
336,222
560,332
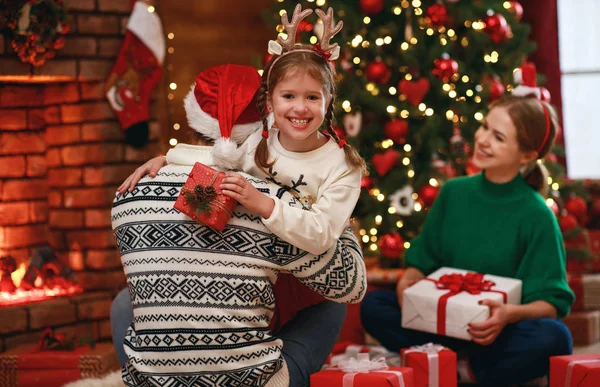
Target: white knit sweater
203,299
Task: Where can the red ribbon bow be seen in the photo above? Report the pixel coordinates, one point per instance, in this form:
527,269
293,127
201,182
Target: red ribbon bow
472,283
325,54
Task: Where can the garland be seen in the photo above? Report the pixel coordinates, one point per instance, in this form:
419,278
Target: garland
36,28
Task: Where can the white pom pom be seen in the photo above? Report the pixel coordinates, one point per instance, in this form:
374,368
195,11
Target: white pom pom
226,154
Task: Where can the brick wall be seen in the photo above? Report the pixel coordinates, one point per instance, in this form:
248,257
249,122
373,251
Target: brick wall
62,155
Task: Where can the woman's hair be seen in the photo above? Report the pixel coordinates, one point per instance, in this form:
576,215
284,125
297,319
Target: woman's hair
311,63
528,115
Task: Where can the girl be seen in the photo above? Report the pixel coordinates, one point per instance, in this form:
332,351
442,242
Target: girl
321,171
497,223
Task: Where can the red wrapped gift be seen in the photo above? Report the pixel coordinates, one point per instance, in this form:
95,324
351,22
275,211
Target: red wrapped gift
201,198
575,370
381,276
391,377
28,366
584,327
433,365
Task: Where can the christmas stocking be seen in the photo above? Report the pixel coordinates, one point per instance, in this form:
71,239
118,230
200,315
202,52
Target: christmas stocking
136,72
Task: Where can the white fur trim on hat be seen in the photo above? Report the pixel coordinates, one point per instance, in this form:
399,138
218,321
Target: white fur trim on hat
203,123
147,27
226,154
524,91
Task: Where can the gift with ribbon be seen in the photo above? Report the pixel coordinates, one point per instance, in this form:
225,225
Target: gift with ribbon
587,291
433,365
345,351
447,300
201,198
363,372
575,371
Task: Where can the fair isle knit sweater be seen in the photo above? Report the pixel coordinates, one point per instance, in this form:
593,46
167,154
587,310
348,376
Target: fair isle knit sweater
202,299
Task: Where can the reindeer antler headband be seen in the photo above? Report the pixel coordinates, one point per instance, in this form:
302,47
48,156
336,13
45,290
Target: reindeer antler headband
325,49
525,76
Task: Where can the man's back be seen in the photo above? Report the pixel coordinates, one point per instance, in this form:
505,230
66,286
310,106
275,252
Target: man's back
203,299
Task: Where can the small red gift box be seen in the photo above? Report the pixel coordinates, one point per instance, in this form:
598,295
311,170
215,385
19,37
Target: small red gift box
201,198
432,364
27,366
575,370
392,377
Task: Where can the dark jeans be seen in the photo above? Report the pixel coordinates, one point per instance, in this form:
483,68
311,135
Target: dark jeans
307,339
520,353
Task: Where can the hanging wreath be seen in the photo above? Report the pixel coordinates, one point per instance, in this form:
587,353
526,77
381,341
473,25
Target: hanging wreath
36,28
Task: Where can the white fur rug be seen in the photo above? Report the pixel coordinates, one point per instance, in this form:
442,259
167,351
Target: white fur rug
111,380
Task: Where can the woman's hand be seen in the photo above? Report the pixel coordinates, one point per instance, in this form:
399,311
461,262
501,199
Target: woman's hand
237,187
402,285
486,332
151,167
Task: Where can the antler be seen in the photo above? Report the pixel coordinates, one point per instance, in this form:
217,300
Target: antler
328,29
291,27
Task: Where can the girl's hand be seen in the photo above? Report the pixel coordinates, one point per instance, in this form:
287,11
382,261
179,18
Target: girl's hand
236,187
151,167
486,332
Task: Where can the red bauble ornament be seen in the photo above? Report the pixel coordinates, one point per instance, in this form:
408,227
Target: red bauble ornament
378,72
366,182
384,162
305,26
428,194
545,94
391,245
396,130
415,91
567,222
497,28
444,68
595,210
437,15
267,58
577,207
496,89
517,9
371,7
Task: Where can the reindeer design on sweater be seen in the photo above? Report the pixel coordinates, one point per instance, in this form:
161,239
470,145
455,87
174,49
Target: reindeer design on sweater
305,201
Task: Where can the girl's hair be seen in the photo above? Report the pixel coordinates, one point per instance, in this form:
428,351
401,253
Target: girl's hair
308,62
529,118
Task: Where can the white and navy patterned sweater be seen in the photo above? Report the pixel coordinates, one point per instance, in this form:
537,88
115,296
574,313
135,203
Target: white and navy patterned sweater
202,299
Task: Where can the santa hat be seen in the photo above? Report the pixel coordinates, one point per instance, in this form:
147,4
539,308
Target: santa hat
526,80
221,106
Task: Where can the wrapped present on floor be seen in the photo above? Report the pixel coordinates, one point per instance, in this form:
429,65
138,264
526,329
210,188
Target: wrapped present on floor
583,252
201,198
433,365
575,371
380,276
584,327
587,291
345,351
28,366
447,300
362,372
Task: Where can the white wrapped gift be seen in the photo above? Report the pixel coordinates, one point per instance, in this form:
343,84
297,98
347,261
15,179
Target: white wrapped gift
448,300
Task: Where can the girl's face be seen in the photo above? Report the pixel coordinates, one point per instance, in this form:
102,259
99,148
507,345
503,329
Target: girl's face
496,145
299,103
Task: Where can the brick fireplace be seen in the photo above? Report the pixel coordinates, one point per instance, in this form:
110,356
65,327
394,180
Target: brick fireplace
62,156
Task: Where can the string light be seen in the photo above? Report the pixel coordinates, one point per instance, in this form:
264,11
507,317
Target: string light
399,224
407,147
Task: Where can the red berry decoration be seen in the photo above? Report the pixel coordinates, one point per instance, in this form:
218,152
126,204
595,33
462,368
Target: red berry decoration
567,223
444,68
378,72
437,15
577,207
371,7
391,245
428,194
396,130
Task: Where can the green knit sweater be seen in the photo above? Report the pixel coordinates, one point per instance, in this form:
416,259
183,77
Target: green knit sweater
499,229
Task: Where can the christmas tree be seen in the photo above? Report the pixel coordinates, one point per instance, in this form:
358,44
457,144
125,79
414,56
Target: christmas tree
415,81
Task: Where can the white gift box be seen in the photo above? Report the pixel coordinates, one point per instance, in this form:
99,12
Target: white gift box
424,301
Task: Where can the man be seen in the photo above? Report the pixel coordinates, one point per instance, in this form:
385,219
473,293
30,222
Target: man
203,299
